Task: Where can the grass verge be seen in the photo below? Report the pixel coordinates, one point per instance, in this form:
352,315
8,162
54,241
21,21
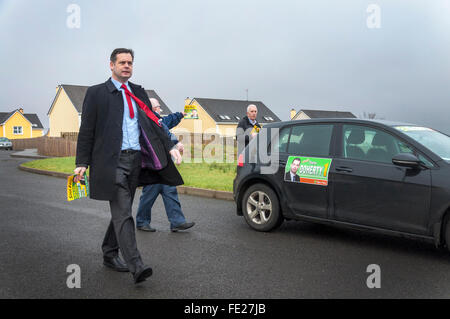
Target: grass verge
215,176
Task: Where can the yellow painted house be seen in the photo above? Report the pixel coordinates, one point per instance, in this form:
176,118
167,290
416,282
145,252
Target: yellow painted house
17,124
218,116
65,111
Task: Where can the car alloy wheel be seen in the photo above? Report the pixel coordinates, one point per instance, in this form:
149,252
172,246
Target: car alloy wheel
259,207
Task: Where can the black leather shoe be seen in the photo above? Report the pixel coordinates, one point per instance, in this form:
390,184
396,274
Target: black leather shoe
182,227
146,228
142,274
115,263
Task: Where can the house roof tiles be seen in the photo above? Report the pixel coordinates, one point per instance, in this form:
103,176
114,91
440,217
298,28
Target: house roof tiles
314,114
31,117
232,111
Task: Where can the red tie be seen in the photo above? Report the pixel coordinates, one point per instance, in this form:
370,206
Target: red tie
130,105
141,104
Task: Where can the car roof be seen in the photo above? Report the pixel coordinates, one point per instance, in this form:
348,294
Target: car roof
340,120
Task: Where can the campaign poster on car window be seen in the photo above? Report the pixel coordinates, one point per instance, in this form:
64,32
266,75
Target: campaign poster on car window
76,190
191,112
308,170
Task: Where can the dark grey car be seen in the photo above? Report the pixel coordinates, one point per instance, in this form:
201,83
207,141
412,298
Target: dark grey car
379,176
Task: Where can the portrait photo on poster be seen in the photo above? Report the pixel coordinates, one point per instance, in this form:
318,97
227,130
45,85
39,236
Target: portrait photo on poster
309,170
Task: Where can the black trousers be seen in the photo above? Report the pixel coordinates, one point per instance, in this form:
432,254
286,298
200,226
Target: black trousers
121,231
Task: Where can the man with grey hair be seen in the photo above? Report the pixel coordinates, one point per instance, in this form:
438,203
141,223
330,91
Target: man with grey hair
248,127
162,186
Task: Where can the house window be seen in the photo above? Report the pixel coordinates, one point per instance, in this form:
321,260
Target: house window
268,118
237,118
17,130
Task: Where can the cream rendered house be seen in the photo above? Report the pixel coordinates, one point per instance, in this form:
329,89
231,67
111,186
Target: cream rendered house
316,114
218,116
65,112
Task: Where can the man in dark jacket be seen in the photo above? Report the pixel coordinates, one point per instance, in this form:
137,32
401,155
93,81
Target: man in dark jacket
169,193
118,136
248,127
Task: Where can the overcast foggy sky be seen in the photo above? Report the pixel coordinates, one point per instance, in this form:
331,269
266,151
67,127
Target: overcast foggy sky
302,54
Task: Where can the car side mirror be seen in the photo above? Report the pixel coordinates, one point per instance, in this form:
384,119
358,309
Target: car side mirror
407,160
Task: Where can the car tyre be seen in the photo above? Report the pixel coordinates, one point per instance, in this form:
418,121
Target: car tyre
261,208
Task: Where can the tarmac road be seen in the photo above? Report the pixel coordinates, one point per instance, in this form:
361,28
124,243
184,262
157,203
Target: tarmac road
221,257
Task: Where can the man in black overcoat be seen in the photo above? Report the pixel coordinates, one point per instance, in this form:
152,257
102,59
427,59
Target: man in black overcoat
124,145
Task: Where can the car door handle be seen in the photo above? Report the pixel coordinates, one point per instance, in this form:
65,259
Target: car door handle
344,169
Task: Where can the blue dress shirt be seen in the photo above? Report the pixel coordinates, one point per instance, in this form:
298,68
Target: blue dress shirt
130,126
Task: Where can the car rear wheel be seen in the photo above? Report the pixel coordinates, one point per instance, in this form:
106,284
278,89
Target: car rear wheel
261,208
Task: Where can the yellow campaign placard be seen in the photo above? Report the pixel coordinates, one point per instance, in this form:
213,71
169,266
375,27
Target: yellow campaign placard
76,190
191,112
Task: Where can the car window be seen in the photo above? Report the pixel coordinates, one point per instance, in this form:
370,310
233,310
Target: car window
405,148
366,143
310,139
435,141
283,139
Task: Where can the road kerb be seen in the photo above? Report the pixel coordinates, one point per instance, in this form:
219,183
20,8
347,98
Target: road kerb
181,189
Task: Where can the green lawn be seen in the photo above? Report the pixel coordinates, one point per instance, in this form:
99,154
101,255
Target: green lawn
217,176
56,164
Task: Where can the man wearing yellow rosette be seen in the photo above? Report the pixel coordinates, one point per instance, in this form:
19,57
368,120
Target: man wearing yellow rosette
248,127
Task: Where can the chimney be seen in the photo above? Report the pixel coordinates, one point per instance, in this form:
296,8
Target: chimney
293,113
187,101
21,110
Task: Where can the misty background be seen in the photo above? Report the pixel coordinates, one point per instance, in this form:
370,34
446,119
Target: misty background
316,54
